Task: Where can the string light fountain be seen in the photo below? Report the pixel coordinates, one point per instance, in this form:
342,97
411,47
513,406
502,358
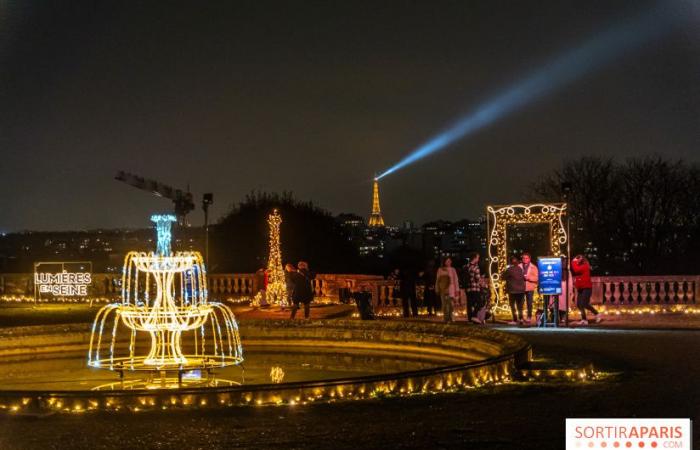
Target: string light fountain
164,296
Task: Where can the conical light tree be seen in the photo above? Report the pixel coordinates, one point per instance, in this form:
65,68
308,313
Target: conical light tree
276,293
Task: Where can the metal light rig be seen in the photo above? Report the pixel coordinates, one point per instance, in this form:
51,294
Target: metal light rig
182,200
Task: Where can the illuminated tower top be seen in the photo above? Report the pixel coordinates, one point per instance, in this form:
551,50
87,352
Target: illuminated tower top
375,219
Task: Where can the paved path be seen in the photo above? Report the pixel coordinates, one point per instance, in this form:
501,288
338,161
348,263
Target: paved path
658,376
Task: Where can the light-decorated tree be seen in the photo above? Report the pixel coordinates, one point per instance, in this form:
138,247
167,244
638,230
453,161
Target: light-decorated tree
276,291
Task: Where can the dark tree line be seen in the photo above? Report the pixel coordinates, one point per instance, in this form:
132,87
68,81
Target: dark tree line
638,216
239,242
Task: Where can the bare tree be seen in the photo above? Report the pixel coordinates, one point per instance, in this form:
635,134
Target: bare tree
636,217
589,186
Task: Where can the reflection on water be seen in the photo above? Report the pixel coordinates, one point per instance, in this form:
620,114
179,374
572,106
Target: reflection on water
69,371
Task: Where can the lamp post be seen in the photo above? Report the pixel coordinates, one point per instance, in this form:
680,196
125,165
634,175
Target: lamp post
565,191
207,199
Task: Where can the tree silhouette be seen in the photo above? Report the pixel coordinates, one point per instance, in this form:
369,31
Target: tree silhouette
635,217
239,242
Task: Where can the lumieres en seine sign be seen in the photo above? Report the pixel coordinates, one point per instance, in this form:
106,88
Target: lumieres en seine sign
70,280
68,284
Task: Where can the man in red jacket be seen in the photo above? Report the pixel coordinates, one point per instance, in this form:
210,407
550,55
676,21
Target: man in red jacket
584,287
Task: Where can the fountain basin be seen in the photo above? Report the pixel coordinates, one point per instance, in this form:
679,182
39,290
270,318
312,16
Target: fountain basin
44,368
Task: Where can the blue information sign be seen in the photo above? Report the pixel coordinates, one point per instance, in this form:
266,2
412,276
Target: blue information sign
549,268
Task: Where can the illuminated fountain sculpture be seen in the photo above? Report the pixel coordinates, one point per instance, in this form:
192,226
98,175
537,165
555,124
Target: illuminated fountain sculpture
164,296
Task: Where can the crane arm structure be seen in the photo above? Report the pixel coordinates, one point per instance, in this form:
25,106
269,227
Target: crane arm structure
182,200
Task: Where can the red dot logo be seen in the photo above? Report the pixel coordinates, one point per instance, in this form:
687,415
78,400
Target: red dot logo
654,444
641,444
616,444
628,444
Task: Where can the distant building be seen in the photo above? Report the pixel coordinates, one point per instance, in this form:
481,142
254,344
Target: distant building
104,248
434,239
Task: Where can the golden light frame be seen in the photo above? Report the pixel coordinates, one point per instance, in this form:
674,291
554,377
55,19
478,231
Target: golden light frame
498,219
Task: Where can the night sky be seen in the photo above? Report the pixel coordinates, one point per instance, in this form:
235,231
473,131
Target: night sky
315,97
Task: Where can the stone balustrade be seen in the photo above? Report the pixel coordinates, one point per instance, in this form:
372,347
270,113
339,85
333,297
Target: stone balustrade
628,291
646,290
233,285
221,286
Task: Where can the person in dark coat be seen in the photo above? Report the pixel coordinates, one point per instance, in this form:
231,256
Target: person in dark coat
515,288
430,298
363,300
259,281
472,284
289,271
303,289
407,290
394,276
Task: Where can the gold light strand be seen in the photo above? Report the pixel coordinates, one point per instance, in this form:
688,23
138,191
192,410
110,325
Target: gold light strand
276,374
179,307
276,292
502,216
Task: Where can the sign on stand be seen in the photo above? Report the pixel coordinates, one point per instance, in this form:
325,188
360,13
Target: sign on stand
549,285
62,279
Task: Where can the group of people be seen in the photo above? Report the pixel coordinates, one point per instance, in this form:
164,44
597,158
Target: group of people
299,282
443,289
447,289
521,279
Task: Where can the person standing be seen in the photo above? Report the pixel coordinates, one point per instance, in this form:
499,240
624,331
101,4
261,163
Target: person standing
289,271
567,291
303,289
394,276
531,276
407,290
581,270
429,295
447,287
484,312
473,287
515,288
363,300
259,286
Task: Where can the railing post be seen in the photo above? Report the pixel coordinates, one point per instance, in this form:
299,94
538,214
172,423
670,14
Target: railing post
597,294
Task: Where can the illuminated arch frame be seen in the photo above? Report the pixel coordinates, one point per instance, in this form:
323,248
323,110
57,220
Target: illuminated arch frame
498,219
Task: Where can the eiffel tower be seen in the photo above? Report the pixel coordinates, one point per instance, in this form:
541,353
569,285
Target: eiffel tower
375,219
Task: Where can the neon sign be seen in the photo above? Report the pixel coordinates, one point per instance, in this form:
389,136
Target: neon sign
62,279
68,284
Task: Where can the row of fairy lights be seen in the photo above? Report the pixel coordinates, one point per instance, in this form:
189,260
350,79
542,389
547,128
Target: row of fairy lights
31,299
452,383
393,312
60,300
613,310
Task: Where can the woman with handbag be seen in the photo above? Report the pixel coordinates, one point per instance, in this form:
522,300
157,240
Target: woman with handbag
447,287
